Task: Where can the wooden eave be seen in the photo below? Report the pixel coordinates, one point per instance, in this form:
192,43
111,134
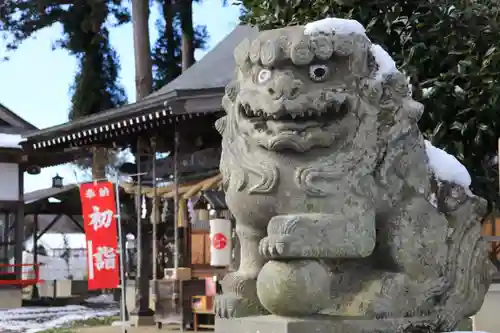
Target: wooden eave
37,202
194,95
11,155
44,159
118,125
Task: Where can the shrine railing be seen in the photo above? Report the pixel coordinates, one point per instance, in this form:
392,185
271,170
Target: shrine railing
20,275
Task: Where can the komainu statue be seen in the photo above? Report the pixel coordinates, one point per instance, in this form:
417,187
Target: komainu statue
339,209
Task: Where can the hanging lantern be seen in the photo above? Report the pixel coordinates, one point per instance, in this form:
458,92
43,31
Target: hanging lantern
201,209
57,181
220,242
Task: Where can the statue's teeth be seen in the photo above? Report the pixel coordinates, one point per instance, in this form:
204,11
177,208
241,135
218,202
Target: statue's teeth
310,113
294,115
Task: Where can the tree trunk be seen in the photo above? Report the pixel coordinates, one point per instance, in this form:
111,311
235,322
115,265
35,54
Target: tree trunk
168,15
143,87
186,15
142,49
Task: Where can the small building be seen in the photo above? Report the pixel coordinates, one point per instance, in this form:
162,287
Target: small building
179,118
12,127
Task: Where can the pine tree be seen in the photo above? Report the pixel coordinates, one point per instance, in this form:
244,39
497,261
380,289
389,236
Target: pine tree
85,36
450,50
167,52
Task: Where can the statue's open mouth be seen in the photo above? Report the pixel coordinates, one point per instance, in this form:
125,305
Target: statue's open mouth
333,112
299,126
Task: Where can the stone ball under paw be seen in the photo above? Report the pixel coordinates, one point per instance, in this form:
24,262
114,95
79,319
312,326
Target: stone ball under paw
294,288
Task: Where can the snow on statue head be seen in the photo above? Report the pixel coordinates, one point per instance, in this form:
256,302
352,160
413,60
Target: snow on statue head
322,159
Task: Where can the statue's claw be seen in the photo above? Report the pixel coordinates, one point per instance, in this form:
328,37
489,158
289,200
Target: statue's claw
284,246
232,306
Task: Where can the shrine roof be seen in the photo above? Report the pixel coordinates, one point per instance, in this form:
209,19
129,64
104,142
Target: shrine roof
12,123
215,70
196,94
11,128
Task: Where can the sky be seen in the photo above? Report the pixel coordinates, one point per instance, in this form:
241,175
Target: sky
35,82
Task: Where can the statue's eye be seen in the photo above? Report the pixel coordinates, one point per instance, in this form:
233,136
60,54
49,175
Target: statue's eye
318,73
264,75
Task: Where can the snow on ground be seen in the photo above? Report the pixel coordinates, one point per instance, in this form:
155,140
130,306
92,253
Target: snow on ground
446,167
386,65
101,299
36,319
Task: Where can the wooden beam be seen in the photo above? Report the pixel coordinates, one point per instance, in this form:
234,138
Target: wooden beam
205,159
492,238
47,228
76,223
34,291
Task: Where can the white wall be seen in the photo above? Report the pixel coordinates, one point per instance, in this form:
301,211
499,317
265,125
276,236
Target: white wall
9,178
53,268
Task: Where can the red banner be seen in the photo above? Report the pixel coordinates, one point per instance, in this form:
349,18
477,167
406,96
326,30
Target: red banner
99,218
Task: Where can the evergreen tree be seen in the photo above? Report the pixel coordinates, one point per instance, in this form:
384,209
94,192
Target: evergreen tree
86,36
450,51
167,52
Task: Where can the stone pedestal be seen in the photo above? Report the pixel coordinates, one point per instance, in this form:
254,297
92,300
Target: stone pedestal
142,320
316,324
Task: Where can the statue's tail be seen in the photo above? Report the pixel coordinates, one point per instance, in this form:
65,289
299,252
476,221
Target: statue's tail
469,270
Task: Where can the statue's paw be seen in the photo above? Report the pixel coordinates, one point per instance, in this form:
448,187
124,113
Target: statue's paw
289,224
284,246
232,306
241,285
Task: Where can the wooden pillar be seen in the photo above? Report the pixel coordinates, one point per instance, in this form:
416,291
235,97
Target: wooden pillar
34,291
6,236
19,224
142,310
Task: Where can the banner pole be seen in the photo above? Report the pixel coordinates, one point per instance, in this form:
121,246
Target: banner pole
122,253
